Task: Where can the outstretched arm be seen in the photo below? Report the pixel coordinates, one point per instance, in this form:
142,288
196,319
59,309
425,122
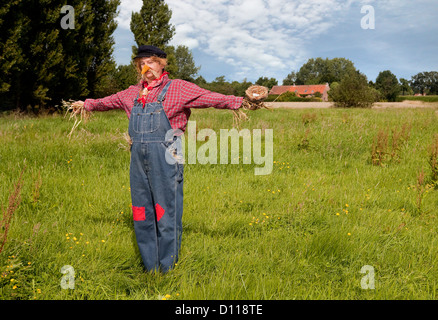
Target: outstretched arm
192,96
121,100
118,100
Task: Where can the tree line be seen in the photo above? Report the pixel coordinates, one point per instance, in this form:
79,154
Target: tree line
42,63
348,86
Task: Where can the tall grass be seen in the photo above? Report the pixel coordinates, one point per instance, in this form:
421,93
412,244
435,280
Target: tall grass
8,212
302,232
431,98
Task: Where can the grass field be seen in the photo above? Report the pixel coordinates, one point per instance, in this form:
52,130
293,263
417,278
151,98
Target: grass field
305,231
429,99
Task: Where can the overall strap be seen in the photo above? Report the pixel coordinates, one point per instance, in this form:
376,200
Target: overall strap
163,92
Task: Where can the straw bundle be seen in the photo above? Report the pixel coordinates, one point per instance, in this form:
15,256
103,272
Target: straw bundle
128,142
77,112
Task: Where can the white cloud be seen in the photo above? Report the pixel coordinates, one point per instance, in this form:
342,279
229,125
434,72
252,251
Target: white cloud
257,35
273,37
125,10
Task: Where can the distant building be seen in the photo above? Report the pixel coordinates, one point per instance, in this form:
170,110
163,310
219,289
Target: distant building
304,90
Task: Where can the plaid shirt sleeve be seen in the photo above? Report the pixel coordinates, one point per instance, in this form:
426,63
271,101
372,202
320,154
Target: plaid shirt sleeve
192,96
121,100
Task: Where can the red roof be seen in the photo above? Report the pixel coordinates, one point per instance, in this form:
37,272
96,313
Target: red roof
300,90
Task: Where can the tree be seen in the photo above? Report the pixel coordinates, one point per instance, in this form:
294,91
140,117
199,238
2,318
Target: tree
290,79
337,68
220,85
12,60
312,72
200,81
29,65
405,87
124,76
353,91
42,62
319,71
425,82
181,63
103,25
241,87
266,82
152,24
387,84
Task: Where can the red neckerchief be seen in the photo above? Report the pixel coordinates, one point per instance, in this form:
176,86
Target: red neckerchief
148,88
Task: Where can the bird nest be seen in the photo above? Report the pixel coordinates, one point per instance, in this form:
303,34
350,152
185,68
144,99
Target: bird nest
257,93
253,101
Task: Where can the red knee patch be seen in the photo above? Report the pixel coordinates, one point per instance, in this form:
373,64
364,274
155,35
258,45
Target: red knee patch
160,212
139,213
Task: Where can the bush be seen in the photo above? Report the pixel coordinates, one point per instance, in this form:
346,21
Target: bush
387,84
353,92
286,97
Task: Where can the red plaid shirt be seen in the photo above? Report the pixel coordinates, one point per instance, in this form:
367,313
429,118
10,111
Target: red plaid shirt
180,97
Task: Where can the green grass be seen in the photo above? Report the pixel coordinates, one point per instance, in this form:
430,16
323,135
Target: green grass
430,98
302,232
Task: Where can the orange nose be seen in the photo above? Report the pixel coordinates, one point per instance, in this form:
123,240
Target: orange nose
145,69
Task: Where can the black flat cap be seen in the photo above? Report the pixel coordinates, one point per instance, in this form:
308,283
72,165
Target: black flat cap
149,51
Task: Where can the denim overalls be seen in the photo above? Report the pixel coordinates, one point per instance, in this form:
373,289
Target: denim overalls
156,185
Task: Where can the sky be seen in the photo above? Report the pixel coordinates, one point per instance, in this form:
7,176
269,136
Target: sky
249,39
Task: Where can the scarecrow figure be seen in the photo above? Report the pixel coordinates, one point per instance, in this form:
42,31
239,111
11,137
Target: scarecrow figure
158,109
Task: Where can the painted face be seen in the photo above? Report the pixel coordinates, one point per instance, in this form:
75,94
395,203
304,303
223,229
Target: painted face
155,68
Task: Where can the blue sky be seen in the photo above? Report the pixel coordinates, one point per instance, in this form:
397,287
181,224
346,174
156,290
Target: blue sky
248,39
